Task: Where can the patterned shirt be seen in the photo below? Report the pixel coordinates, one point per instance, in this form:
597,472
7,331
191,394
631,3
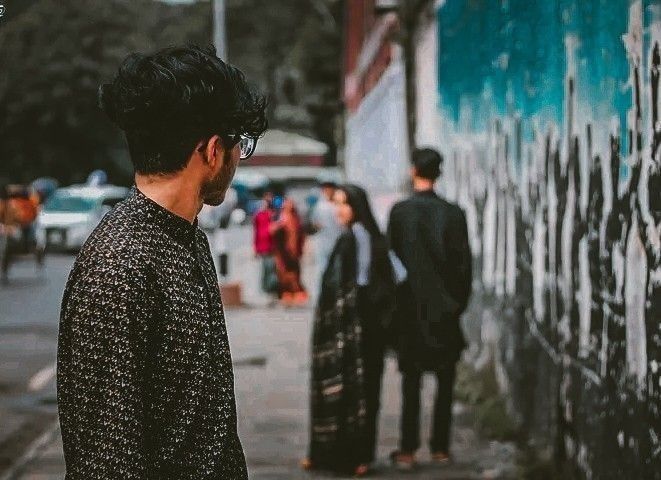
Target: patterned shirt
145,381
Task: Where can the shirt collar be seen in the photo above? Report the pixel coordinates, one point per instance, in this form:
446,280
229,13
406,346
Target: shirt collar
175,226
426,193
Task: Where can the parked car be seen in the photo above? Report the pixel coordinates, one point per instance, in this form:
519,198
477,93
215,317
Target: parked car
70,214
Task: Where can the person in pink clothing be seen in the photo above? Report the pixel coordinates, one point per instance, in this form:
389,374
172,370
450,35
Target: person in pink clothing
263,244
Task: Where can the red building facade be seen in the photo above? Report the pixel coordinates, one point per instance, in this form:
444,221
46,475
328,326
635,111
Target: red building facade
370,41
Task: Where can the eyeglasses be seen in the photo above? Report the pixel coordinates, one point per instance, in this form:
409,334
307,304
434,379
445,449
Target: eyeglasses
247,146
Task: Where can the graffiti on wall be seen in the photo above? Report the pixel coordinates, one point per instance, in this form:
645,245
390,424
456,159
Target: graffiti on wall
552,133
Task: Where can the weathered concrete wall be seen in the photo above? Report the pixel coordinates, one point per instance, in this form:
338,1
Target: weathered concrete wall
376,150
548,116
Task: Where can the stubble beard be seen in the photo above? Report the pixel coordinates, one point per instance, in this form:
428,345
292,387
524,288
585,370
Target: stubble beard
213,192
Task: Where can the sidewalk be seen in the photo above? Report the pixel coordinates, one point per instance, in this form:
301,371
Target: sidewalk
270,348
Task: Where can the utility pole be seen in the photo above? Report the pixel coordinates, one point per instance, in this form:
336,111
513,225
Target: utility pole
219,29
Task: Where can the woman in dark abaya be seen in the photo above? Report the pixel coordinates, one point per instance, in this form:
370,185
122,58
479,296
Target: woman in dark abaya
348,341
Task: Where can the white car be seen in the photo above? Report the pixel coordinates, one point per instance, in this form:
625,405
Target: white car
70,214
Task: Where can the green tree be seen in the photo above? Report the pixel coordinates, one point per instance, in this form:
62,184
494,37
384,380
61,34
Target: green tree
268,38
54,55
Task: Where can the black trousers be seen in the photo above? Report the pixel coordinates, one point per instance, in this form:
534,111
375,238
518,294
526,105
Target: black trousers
372,348
410,420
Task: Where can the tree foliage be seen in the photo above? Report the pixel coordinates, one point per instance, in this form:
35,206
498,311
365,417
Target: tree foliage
53,56
292,39
55,53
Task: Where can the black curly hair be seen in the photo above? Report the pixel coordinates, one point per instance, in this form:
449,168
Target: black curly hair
169,101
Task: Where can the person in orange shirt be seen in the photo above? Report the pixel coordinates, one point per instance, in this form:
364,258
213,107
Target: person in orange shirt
289,240
18,213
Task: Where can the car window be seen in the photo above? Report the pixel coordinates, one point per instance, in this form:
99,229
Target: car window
70,204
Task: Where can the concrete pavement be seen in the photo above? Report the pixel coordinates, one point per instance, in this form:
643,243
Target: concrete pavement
270,348
29,311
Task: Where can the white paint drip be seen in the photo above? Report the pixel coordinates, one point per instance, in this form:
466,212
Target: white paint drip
635,297
501,247
468,204
584,298
566,240
510,267
538,271
552,213
489,235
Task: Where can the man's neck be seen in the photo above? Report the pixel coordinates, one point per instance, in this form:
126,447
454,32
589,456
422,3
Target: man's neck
422,185
175,193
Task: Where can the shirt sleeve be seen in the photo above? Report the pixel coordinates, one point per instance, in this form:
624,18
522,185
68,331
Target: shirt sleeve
391,231
398,268
101,372
460,255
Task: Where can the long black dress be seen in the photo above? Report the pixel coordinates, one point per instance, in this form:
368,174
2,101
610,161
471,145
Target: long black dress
338,406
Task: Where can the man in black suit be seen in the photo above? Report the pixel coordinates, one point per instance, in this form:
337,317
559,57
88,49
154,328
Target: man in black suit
430,236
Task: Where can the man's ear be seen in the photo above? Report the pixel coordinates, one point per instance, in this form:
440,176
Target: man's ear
214,151
414,172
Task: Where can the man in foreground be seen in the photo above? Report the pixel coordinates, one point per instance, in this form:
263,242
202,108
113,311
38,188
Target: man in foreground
430,237
145,381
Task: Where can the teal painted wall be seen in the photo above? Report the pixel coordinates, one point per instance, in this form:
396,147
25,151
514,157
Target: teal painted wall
553,148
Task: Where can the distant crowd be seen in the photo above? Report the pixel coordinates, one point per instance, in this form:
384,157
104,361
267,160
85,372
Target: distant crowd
279,238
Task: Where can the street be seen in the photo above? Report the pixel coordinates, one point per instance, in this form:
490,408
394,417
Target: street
28,342
270,348
29,316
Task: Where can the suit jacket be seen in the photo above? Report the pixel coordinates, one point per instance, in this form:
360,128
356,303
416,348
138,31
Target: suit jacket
430,236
